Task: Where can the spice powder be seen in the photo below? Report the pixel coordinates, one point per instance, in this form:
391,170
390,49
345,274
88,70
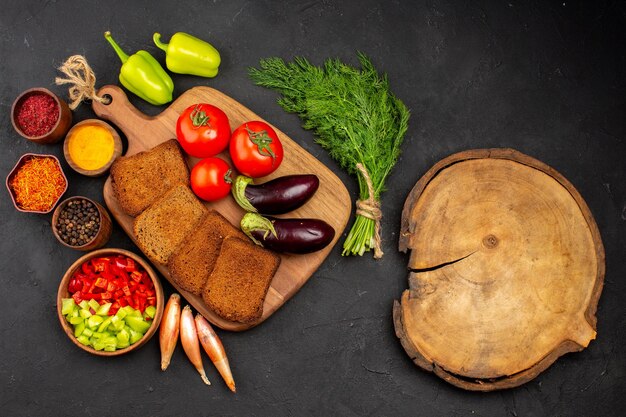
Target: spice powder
38,184
91,146
37,114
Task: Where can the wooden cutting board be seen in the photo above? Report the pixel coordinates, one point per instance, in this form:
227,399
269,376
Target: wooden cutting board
331,202
506,269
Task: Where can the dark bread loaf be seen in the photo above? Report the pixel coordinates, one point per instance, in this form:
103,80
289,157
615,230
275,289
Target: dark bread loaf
162,227
138,180
191,264
236,288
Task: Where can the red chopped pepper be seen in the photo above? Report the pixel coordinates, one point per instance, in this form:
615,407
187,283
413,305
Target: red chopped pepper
145,279
120,263
100,264
92,287
126,290
77,297
130,264
100,282
115,307
118,280
124,276
135,276
74,285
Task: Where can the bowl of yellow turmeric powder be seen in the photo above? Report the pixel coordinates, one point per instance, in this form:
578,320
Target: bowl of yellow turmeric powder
91,146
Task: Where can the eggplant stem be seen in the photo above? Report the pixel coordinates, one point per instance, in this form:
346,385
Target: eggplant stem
252,222
239,193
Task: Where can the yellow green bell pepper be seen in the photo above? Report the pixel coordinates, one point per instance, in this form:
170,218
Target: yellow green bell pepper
186,54
142,75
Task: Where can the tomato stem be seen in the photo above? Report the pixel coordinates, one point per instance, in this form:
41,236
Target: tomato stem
262,140
227,177
199,117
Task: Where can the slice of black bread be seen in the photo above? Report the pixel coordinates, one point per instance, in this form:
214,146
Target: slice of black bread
193,261
162,227
138,180
236,288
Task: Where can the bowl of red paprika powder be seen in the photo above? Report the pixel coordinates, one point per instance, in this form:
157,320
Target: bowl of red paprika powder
41,116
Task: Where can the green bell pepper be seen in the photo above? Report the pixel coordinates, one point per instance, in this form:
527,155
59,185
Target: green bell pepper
186,54
142,75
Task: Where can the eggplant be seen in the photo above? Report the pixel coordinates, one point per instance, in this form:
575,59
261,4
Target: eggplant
278,196
287,235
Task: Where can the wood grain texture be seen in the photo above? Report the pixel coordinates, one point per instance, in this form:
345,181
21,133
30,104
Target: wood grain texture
507,266
331,202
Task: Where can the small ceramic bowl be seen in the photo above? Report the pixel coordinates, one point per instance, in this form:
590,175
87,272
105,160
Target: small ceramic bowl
63,292
18,165
58,130
101,237
117,147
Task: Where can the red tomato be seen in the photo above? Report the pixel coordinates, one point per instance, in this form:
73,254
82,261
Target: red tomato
255,149
203,130
210,179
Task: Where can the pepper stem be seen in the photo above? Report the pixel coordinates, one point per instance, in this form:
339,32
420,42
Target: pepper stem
123,56
239,193
157,41
252,222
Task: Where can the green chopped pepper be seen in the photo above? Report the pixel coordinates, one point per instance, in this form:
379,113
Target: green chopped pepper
142,75
186,54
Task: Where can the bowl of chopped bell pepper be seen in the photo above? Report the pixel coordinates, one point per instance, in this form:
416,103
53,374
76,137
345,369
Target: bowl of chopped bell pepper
110,302
36,183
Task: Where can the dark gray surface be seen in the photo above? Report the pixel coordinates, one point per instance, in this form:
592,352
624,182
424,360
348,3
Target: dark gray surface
545,78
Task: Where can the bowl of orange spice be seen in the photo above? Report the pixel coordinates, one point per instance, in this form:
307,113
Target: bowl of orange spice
91,146
36,183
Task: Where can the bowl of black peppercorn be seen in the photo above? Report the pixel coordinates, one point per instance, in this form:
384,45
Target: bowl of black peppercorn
81,223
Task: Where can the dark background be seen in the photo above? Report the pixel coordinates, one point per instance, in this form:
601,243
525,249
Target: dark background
545,78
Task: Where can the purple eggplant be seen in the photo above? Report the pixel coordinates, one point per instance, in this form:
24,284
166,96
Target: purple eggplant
287,235
277,196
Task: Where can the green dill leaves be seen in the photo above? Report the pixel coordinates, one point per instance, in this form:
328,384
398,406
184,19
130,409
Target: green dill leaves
354,117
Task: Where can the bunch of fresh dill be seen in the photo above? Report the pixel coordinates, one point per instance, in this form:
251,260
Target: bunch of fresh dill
355,118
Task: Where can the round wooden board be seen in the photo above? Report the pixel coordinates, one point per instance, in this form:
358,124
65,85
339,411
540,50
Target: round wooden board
506,269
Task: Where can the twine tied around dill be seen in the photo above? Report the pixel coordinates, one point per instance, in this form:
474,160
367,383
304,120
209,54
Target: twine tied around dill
370,208
83,80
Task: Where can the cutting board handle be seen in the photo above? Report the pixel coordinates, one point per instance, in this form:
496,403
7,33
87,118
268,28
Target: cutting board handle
125,116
